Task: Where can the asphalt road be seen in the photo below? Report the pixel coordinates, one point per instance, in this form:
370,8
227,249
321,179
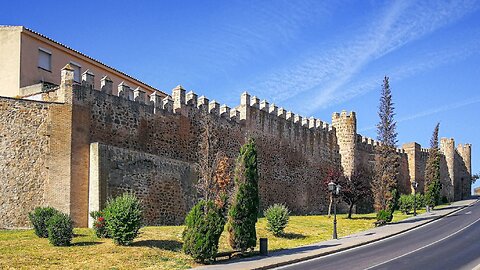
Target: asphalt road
452,242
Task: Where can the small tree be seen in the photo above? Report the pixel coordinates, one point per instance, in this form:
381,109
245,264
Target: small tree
242,215
432,171
204,224
60,229
277,216
123,218
203,227
384,184
355,188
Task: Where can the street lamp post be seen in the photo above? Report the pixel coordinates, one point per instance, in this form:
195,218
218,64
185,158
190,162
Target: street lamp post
414,185
335,190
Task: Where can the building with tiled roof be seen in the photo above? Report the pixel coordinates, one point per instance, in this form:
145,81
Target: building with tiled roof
30,63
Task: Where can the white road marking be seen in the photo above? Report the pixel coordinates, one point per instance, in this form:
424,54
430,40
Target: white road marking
433,243
468,213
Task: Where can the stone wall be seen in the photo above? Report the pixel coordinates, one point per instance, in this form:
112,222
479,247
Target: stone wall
24,147
290,169
165,186
74,154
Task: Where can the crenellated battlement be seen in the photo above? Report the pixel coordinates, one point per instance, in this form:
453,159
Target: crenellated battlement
366,142
275,113
260,115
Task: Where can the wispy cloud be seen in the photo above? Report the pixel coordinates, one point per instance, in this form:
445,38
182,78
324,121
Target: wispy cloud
425,113
323,77
426,61
249,28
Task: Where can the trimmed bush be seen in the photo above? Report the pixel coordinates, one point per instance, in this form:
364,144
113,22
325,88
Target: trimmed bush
277,216
406,203
60,229
39,218
99,225
203,226
123,218
383,216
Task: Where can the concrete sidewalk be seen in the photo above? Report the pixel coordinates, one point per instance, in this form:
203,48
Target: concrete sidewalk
284,257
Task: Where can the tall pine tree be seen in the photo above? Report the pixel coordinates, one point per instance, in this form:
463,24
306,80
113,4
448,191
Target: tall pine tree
432,171
243,213
384,184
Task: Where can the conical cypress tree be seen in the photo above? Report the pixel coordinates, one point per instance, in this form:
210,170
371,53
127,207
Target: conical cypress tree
242,215
384,184
432,171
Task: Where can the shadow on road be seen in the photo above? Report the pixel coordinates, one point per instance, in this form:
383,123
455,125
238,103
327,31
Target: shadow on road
413,220
276,253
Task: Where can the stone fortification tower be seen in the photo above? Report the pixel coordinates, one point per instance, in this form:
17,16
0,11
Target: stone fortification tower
464,165
465,152
346,130
447,147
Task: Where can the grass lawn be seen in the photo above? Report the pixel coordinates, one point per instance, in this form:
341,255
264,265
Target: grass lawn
157,247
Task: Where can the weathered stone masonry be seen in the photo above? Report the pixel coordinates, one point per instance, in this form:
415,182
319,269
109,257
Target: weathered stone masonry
85,145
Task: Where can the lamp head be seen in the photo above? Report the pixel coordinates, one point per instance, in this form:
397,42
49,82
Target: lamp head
331,186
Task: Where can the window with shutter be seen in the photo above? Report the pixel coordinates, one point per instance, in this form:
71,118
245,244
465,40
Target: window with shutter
44,59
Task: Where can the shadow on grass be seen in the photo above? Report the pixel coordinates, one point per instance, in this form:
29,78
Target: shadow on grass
79,234
364,218
81,244
171,245
293,236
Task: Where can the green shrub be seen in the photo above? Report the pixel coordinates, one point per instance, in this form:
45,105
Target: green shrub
39,218
203,226
60,229
383,216
99,225
277,216
123,217
406,203
243,213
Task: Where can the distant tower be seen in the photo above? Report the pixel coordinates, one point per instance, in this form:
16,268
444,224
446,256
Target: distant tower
465,152
465,169
346,130
447,147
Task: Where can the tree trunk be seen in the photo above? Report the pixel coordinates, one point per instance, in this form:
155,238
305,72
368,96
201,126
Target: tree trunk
330,206
350,210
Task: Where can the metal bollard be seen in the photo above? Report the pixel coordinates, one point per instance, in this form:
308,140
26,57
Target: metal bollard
264,246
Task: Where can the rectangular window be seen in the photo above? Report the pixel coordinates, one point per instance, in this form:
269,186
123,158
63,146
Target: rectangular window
77,69
44,59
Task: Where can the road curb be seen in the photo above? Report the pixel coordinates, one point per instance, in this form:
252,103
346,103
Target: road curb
306,258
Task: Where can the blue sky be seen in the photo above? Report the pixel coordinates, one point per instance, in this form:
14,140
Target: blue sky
311,57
